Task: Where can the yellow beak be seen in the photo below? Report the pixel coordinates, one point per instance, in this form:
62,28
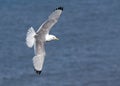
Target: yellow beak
57,38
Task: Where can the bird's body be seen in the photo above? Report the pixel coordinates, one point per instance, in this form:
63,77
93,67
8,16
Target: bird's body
38,39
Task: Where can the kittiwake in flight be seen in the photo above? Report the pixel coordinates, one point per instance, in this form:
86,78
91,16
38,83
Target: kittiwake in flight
38,38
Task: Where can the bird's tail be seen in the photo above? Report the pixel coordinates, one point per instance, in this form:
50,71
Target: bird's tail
30,39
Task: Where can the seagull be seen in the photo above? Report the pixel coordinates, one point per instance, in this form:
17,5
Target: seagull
40,37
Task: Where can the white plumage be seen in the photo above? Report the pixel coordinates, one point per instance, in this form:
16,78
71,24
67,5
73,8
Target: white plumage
30,37
39,37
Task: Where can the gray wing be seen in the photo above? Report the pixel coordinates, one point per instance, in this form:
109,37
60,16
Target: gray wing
52,19
38,59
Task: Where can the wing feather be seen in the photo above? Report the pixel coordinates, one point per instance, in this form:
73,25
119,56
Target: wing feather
38,59
50,22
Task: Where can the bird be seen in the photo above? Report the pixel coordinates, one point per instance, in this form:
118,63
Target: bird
40,37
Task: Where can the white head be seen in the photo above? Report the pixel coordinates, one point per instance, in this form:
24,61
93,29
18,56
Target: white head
50,38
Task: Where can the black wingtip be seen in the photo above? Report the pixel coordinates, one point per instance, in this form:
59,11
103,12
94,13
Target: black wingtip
59,8
38,72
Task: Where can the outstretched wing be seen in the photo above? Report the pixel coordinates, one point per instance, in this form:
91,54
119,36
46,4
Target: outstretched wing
38,59
52,19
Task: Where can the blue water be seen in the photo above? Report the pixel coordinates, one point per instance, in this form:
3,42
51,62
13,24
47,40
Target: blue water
87,54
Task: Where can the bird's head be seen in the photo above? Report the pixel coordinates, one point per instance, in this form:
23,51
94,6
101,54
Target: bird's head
51,37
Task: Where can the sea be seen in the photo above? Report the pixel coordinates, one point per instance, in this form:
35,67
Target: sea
87,54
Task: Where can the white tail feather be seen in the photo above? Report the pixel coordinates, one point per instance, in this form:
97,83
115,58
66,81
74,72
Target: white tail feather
30,37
